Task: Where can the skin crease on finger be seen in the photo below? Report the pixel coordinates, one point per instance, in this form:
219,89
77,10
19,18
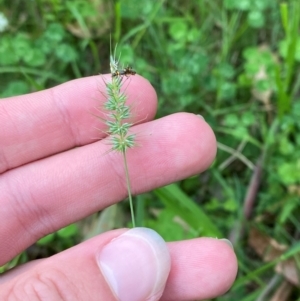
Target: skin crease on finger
201,268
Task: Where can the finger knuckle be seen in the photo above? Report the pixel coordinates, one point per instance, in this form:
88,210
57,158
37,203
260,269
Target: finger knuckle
46,286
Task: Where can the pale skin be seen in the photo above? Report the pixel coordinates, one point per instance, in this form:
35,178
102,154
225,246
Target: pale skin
55,170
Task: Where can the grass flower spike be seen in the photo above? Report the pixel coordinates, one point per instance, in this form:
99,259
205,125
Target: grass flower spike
118,114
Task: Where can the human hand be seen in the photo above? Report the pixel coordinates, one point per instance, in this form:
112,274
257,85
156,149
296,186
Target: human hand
46,183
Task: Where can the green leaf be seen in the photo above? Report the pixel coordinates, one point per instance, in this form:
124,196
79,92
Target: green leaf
230,4
285,146
289,173
22,46
46,239
66,53
238,4
263,85
288,208
180,204
54,33
225,70
230,205
7,54
227,90
243,4
35,58
248,118
256,19
68,231
240,133
134,9
231,120
261,4
14,88
178,30
283,49
169,226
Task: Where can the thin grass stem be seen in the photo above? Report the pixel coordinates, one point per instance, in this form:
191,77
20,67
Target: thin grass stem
129,189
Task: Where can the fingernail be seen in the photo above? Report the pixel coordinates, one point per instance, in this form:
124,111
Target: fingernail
136,265
200,116
228,242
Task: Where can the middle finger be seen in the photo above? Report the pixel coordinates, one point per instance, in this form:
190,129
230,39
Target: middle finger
43,196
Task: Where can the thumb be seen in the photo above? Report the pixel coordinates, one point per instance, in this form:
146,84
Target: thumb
118,265
136,265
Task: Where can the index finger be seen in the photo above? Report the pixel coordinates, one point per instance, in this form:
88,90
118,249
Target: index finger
40,124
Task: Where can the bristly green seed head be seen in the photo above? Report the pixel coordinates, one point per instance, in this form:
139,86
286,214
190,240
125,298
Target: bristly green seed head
123,143
114,63
118,111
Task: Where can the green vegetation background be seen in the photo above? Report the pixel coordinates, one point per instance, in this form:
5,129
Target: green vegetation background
236,62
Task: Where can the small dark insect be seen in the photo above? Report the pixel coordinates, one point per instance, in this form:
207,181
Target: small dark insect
126,71
116,73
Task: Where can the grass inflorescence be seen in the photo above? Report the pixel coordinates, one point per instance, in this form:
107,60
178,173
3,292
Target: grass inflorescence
118,114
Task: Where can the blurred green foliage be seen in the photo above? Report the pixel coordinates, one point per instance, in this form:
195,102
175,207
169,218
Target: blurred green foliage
236,62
